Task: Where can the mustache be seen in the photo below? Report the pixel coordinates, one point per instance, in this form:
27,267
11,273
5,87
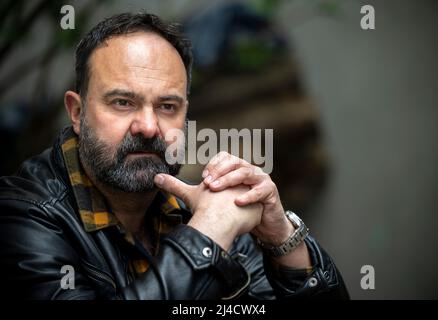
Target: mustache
139,143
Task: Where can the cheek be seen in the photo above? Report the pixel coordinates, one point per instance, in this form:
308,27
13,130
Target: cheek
110,129
170,125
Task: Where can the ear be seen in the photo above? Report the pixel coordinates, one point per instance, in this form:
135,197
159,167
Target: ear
73,105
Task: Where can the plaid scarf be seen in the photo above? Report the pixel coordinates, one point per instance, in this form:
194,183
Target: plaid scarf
96,214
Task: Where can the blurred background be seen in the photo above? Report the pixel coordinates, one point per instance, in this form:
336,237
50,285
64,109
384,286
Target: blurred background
354,112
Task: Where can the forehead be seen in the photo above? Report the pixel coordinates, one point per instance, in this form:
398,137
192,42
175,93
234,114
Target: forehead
137,59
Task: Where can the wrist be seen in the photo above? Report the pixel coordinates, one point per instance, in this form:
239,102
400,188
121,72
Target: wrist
222,234
294,240
297,259
279,233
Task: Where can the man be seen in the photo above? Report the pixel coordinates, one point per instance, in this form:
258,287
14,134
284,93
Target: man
100,215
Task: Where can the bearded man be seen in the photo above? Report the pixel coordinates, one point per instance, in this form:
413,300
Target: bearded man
103,203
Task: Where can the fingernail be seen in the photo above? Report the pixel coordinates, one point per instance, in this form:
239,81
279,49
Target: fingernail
159,179
205,173
215,183
208,179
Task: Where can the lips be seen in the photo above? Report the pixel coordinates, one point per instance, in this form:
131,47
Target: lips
143,153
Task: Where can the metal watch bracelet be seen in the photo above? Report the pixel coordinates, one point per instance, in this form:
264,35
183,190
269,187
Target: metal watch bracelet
297,237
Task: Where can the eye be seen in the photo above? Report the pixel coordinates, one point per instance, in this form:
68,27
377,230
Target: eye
167,107
122,103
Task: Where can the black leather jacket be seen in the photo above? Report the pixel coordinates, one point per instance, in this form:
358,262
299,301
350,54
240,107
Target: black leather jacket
40,231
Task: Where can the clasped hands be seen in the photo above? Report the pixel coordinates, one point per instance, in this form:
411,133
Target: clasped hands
234,198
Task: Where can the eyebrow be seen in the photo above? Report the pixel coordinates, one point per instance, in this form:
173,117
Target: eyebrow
135,96
124,93
169,97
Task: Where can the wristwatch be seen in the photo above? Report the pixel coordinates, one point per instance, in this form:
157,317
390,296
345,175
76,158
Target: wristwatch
297,237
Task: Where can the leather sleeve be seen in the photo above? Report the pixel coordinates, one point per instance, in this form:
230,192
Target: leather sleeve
32,252
272,281
323,282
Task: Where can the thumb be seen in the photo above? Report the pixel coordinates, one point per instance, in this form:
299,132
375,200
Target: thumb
174,186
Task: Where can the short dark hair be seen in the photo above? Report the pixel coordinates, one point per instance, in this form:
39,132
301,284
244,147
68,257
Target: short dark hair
122,24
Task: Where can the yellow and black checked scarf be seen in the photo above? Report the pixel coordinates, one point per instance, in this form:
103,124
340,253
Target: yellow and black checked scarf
95,213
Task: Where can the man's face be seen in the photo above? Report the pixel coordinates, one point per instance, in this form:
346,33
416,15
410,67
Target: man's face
136,93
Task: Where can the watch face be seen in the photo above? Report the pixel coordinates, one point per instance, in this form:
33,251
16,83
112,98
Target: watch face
296,221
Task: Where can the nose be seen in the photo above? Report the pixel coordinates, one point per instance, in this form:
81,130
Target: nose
145,123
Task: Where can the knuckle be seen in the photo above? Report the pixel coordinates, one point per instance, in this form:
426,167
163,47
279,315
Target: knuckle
258,192
230,159
244,162
233,157
271,185
222,155
212,170
246,172
217,159
235,164
272,194
211,163
217,170
208,165
214,159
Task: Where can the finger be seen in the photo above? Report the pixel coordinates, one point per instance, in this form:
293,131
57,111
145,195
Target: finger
218,158
226,164
244,175
256,194
174,186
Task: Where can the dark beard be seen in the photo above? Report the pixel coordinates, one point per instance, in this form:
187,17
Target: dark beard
115,170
